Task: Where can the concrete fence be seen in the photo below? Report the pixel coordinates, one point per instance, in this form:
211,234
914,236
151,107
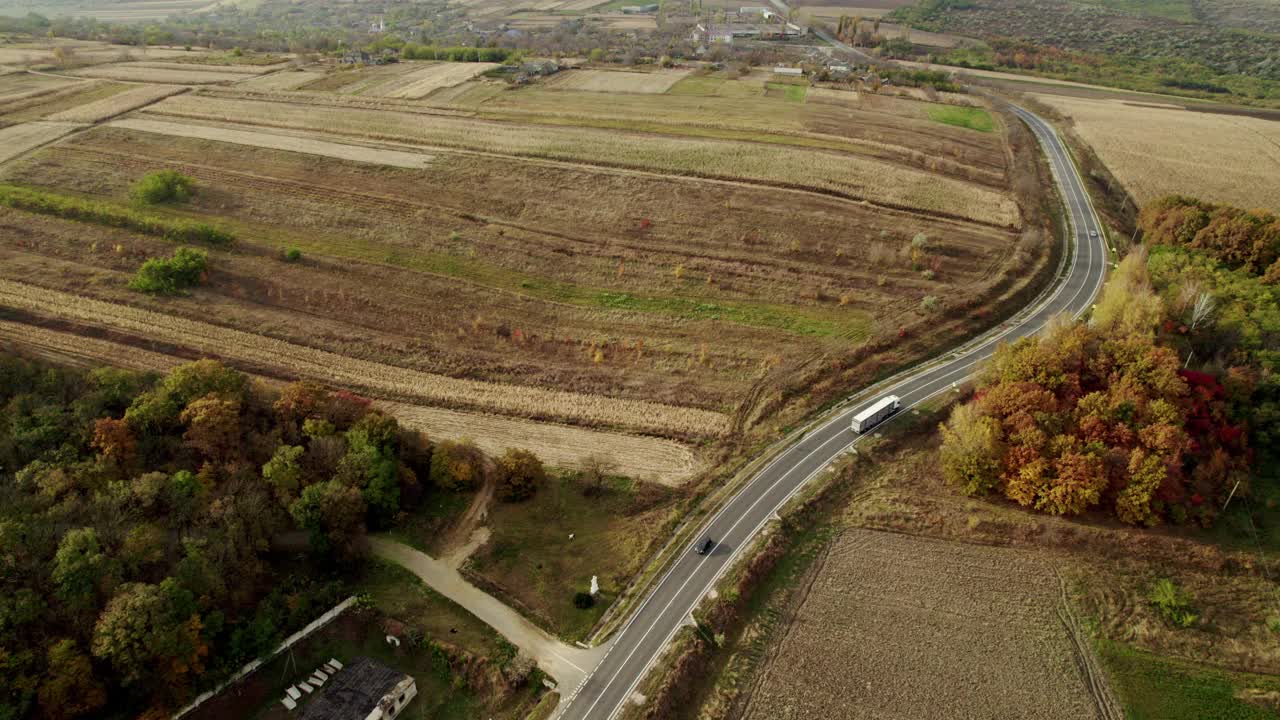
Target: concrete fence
289,642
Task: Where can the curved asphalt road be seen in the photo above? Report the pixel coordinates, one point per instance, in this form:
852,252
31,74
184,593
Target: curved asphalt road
636,648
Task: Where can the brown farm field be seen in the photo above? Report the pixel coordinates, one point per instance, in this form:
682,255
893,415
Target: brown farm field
1159,149
903,626
490,258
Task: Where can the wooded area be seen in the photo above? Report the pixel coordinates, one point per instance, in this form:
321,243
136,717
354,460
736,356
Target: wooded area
138,517
1159,409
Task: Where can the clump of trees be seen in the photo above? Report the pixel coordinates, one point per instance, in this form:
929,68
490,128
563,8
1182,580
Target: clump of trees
413,51
173,275
137,514
1239,239
1101,416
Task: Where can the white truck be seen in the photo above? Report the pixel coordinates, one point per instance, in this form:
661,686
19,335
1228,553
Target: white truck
875,413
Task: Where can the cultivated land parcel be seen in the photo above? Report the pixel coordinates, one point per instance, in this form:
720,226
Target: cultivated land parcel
621,257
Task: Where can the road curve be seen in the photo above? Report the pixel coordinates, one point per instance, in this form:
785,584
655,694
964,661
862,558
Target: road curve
637,646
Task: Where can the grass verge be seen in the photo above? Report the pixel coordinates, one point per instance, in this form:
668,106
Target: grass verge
1158,688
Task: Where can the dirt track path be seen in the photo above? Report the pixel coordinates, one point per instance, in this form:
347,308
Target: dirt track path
565,663
467,535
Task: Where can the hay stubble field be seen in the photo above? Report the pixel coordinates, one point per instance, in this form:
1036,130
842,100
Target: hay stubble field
1159,149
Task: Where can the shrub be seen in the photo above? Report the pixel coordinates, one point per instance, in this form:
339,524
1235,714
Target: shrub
162,186
583,600
170,276
292,254
929,303
1172,603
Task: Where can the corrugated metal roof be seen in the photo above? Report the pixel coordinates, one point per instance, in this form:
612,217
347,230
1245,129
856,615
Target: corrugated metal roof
353,692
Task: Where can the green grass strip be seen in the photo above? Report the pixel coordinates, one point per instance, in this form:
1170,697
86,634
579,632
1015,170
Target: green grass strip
1152,687
965,117
791,93
112,215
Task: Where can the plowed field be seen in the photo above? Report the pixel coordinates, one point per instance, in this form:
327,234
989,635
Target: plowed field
896,626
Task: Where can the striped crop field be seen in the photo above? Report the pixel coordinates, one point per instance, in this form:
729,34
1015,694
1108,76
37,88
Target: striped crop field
834,173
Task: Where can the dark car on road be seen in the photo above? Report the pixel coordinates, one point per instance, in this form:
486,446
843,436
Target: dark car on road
704,546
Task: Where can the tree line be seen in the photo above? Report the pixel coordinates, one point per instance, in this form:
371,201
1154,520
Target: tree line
1239,239
138,516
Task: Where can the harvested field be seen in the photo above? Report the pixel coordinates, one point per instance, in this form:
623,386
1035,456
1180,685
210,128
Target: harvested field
1161,150
492,268
424,81
372,378
61,100
285,80
82,51
620,21
896,626
186,75
643,458
711,107
552,263
610,81
117,104
845,175
245,70
21,85
17,139
253,138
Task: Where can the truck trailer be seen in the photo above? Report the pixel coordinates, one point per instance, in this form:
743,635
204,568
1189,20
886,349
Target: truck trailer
875,414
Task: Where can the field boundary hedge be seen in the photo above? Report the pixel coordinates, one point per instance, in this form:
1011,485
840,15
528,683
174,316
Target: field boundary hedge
112,215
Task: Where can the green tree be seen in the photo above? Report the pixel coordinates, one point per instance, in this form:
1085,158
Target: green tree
162,405
152,633
283,472
333,515
1128,305
80,568
144,546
